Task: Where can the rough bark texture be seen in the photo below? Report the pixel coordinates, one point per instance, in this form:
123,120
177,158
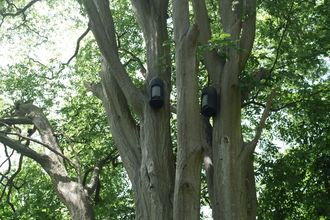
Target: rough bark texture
228,160
146,149
188,169
164,189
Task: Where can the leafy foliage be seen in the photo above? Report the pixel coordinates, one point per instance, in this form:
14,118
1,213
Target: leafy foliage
290,48
295,184
34,196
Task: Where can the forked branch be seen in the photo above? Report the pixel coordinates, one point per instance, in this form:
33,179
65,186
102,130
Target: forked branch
250,147
30,114
93,184
102,27
18,12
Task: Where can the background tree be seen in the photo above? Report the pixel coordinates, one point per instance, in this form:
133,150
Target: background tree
188,45
298,177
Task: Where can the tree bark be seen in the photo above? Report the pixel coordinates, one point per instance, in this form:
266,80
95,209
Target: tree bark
146,149
139,145
230,171
189,159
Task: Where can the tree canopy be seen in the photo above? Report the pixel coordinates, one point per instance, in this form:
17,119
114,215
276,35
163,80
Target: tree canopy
74,109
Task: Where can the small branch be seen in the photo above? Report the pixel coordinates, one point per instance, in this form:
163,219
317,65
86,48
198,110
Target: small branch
282,38
10,183
263,118
77,46
21,11
135,58
9,163
36,32
71,58
257,75
96,171
20,135
250,147
287,105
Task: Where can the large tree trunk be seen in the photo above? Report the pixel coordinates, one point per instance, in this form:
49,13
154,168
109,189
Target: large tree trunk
229,192
146,148
188,170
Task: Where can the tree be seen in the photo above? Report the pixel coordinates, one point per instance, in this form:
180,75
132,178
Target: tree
298,176
211,41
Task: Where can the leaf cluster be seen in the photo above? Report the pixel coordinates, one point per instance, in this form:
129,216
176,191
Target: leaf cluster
295,184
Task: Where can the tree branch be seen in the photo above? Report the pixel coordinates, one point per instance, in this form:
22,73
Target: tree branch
15,120
23,149
257,75
287,105
77,162
9,163
77,46
231,12
250,147
263,118
180,20
135,58
189,142
35,116
10,183
97,170
248,31
282,38
105,36
21,11
122,125
38,142
213,61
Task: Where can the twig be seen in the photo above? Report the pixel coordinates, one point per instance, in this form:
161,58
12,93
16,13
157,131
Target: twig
135,58
289,104
281,39
9,163
21,11
10,183
78,45
71,58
